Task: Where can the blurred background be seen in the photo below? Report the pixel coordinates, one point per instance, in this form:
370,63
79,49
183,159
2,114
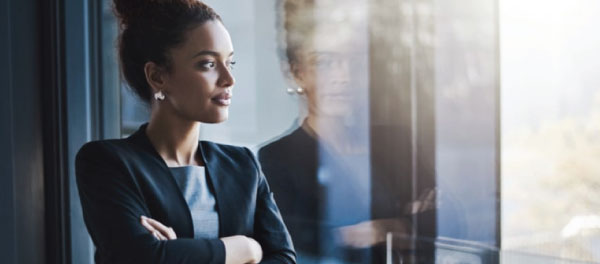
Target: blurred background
474,123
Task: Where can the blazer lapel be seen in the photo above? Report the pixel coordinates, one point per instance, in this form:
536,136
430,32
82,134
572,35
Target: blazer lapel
219,182
178,215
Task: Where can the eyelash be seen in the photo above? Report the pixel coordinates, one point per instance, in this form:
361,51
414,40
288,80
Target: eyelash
232,64
206,64
210,64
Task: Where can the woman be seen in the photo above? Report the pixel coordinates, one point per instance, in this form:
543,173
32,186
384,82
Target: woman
160,195
320,172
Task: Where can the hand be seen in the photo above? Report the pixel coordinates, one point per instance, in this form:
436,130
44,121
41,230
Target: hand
241,250
160,231
425,202
370,233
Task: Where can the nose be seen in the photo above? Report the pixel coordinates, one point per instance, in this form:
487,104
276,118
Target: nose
226,78
340,74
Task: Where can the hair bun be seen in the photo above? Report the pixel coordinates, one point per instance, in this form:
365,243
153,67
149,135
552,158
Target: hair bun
133,10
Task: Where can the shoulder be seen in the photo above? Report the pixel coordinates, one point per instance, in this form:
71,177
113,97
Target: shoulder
297,139
112,154
104,148
295,144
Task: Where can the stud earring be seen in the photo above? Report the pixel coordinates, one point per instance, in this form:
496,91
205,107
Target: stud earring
159,96
292,91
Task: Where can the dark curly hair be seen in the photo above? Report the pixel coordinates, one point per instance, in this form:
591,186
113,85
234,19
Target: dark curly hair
295,23
149,29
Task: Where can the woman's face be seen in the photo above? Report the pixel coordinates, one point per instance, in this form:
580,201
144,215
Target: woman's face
323,69
199,85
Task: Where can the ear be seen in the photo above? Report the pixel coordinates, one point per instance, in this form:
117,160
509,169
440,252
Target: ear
155,76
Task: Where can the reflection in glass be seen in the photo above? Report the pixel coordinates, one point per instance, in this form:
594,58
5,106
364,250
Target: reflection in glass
320,170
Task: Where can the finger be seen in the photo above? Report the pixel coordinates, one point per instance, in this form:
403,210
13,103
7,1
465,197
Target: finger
147,225
429,202
155,235
160,236
164,230
171,234
423,194
430,195
158,225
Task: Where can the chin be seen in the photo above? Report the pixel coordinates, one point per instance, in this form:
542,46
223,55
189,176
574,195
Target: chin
336,111
212,121
215,119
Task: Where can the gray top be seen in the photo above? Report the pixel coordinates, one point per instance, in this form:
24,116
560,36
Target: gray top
200,199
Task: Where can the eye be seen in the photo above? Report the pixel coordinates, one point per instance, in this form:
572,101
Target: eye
206,65
230,64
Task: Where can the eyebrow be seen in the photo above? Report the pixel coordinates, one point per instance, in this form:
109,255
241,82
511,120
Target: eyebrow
210,52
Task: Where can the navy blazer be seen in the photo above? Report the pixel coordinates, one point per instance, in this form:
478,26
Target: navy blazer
123,179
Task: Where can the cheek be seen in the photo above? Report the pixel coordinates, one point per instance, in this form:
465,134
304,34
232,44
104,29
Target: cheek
309,79
321,81
195,83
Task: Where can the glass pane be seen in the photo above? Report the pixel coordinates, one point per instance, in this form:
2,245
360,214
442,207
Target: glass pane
377,125
466,84
109,71
550,128
369,118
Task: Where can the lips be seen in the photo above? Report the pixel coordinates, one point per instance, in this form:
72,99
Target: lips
223,99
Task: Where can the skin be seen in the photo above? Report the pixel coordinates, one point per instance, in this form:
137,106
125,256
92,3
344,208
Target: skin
323,69
200,72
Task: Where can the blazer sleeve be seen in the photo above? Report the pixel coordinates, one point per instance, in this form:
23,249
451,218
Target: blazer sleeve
112,204
269,230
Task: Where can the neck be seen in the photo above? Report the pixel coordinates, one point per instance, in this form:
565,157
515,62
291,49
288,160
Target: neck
175,139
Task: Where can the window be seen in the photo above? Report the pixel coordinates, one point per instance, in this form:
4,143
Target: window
441,130
550,144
